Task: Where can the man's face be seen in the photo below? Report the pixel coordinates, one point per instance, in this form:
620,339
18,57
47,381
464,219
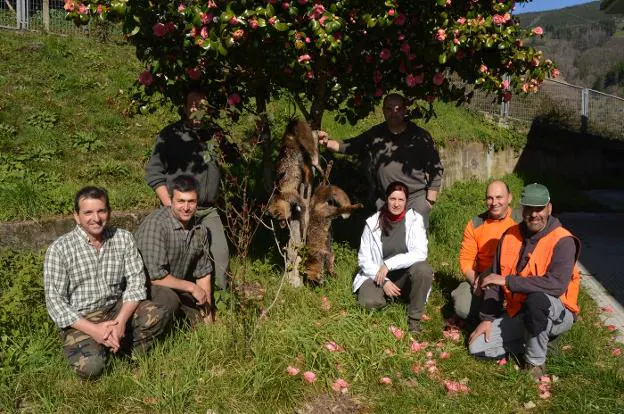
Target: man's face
394,111
92,216
193,104
497,200
184,205
536,218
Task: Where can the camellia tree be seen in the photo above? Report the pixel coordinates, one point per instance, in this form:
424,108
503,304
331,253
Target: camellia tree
329,55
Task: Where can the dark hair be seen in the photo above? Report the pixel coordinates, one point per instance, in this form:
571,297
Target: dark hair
184,184
395,96
384,220
97,193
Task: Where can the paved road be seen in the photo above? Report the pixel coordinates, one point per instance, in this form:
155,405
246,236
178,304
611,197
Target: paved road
602,253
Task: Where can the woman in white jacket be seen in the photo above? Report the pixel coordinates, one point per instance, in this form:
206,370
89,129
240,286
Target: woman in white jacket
393,258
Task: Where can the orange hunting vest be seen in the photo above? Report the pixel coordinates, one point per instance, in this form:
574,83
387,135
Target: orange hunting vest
537,265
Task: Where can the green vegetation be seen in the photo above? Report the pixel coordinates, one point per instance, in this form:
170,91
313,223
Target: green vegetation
65,121
208,368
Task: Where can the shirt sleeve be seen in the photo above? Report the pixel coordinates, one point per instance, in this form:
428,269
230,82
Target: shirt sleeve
153,248
56,284
366,261
557,277
468,250
155,169
135,275
356,145
416,249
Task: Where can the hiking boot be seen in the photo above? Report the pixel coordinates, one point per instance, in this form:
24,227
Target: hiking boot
536,371
413,325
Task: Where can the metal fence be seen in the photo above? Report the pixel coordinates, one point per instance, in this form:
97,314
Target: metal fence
581,109
38,15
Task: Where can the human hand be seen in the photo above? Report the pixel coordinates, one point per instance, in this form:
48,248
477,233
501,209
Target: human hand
381,275
118,331
101,332
390,289
199,294
323,137
492,279
476,285
484,328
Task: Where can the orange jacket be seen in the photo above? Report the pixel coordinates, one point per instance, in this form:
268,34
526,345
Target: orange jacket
481,238
537,266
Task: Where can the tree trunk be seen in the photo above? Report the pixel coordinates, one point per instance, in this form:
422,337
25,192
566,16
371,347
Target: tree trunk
264,133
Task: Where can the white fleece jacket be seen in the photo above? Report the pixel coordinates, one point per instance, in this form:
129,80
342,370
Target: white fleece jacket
370,256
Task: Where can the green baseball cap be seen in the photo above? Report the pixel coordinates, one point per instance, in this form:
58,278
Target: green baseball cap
535,195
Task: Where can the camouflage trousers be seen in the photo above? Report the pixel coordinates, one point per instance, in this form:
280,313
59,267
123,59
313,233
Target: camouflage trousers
88,358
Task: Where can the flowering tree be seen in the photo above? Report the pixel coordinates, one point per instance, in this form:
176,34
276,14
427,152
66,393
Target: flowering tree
341,55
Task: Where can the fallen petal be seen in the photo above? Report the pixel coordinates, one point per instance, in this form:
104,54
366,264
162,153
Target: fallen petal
292,370
445,355
425,317
385,380
309,376
607,309
502,361
616,352
545,395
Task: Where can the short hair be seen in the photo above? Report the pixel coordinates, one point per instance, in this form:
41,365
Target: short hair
497,181
97,193
397,96
184,184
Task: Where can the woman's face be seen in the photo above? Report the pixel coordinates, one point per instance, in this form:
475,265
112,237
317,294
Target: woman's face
396,202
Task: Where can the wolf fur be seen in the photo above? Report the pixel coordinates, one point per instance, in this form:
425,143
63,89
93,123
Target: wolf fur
299,153
328,202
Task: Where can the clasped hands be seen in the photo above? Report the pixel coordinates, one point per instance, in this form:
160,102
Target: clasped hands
389,288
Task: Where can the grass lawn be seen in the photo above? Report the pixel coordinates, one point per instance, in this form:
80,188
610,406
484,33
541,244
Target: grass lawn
210,369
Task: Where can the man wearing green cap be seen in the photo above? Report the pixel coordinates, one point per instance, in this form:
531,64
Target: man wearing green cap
536,275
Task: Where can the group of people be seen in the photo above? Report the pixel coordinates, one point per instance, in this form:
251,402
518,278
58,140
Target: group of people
113,292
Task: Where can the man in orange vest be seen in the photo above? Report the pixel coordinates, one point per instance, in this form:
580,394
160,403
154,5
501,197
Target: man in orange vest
478,246
537,277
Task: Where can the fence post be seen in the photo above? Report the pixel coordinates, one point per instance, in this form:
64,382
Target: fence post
19,15
584,110
45,11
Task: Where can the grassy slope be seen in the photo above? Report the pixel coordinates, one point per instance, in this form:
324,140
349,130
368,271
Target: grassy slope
579,15
63,124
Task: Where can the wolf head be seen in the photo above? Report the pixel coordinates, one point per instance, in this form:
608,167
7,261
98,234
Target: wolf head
328,200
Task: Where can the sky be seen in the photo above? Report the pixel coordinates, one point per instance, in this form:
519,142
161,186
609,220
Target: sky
540,5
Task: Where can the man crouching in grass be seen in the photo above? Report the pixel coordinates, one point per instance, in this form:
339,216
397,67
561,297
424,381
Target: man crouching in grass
95,289
175,249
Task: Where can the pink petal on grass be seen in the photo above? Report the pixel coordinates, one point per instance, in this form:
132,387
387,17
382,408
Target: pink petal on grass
418,346
425,317
397,332
325,304
616,352
417,368
611,328
429,354
292,370
340,385
502,361
607,309
445,355
545,379
566,347
545,395
385,380
331,346
388,352
453,334
309,376
455,387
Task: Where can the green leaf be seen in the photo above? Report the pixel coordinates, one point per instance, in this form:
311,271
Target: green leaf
442,59
270,10
261,23
281,27
134,31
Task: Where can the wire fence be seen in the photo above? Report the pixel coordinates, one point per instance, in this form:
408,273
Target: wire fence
580,109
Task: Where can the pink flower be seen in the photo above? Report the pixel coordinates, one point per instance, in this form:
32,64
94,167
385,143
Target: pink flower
292,370
538,31
483,69
607,309
554,73
440,35
418,346
400,19
272,20
453,334
410,80
501,362
445,355
285,5
455,387
304,58
417,368
206,18
507,17
181,8
535,61
461,21
233,21
525,87
616,352
340,385
456,41
507,96
325,304
545,395
146,78
233,99
159,30
307,39
429,354
193,73
309,376
309,75
438,79
424,316
432,369
253,24
331,346
82,9
99,9
203,32
385,54
405,47
398,333
171,27
391,12
317,11
505,84
238,34
498,19
611,328
385,380
69,5
302,2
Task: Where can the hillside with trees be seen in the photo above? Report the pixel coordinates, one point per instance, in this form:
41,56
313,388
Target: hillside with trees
586,43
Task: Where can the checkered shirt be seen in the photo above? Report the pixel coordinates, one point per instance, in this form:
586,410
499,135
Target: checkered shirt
78,279
169,249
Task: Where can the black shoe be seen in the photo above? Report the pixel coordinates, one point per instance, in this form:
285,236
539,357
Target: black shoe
413,325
